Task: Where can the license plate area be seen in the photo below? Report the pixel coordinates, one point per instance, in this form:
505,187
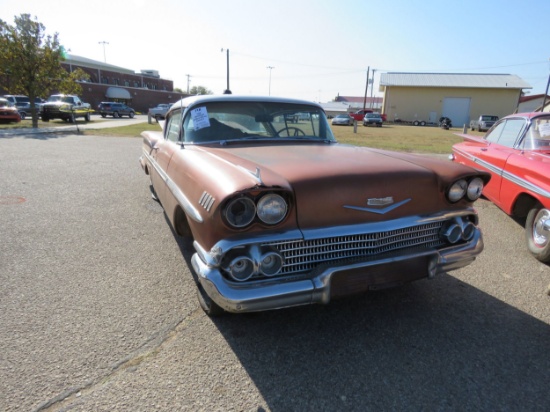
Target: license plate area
377,277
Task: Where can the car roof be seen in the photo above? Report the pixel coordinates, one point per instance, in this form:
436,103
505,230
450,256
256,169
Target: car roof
526,115
202,99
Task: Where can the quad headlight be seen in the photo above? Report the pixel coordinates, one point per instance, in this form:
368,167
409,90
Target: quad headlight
475,187
269,208
462,188
240,212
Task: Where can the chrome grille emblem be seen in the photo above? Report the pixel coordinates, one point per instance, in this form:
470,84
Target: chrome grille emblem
382,201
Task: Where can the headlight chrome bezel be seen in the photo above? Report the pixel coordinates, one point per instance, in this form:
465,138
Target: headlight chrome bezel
267,208
464,188
271,208
475,187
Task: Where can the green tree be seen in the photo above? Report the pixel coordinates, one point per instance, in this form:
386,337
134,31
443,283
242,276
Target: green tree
30,62
199,90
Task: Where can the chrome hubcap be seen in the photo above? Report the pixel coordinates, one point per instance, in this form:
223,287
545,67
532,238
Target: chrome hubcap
540,235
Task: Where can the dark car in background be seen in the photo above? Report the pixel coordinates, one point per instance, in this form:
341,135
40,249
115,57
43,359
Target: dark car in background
115,109
373,119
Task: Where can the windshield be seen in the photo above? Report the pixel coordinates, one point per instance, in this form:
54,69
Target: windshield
221,121
538,134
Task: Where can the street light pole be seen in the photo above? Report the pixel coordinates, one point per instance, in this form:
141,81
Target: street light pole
104,56
270,68
228,90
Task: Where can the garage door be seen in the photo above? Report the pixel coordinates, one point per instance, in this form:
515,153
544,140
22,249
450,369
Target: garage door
457,109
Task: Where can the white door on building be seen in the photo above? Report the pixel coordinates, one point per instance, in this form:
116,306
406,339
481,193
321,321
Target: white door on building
457,109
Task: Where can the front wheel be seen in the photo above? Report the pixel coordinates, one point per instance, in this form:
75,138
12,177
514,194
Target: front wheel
209,307
131,115
536,235
87,117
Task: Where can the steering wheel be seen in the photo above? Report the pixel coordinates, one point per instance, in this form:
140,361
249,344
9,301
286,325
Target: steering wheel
291,131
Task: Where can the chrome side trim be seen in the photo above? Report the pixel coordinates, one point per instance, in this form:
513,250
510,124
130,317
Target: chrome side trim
184,202
506,175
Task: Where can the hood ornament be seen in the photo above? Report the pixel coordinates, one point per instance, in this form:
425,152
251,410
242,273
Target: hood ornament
384,201
256,175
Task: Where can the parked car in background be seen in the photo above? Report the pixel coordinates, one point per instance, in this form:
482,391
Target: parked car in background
115,109
280,214
372,119
342,119
8,113
66,107
23,104
516,151
159,112
484,122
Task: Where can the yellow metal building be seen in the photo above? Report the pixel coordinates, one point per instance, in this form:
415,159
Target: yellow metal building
426,97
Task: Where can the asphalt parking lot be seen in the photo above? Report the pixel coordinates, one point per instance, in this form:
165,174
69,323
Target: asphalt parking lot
98,311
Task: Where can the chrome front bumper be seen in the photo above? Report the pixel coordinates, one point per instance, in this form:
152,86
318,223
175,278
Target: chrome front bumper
276,294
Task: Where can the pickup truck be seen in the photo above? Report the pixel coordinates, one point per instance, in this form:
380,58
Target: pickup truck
360,114
159,112
66,107
484,123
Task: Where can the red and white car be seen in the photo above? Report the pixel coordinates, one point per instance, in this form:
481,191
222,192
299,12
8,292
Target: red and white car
516,151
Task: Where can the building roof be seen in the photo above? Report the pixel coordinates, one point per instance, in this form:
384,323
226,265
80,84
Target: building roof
458,80
94,64
528,98
358,99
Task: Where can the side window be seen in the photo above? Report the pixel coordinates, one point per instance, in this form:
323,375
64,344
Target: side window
507,132
494,133
512,132
173,125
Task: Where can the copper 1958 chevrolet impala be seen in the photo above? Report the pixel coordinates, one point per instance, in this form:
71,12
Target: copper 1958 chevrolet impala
282,215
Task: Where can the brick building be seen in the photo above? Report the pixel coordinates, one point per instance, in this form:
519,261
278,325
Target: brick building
141,90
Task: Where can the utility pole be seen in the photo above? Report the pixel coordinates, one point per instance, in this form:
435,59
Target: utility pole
366,89
188,80
104,56
372,89
270,68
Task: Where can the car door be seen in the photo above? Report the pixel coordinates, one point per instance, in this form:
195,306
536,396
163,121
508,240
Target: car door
162,153
502,142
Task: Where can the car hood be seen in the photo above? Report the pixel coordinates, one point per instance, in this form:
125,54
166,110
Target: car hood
337,184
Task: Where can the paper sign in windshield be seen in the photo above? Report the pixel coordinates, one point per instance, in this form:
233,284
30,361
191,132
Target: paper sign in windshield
544,130
200,118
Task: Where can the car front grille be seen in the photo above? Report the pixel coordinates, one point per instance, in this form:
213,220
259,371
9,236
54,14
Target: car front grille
302,256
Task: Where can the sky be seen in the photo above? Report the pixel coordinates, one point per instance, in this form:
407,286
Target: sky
307,49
